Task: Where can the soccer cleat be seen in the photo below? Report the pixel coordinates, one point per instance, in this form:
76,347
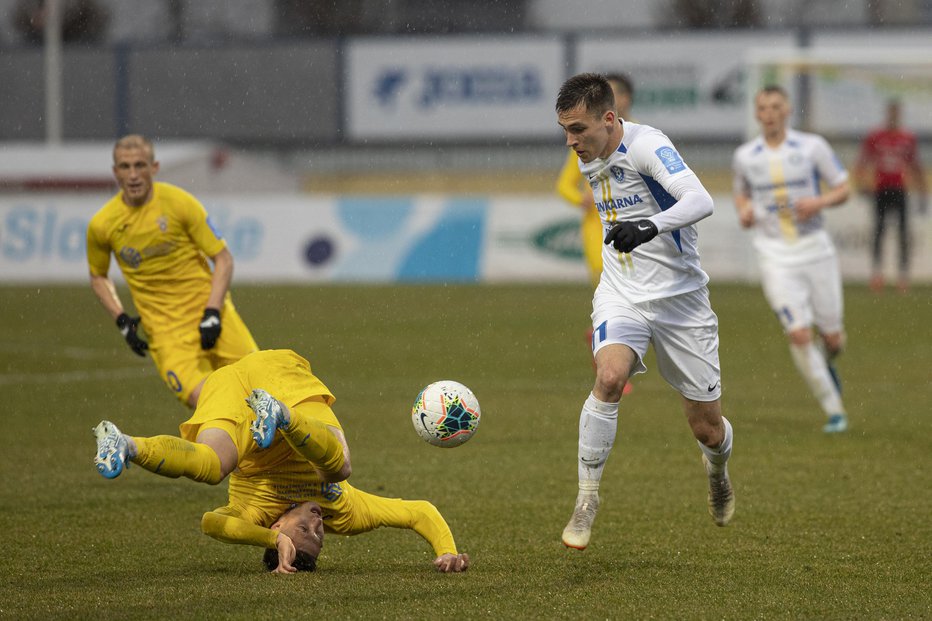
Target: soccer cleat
111,450
577,532
837,423
721,494
269,417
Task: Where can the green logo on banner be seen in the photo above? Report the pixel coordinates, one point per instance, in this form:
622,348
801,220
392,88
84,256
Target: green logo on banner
561,239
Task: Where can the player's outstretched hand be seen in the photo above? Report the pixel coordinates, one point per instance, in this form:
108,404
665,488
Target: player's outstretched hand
286,555
129,328
626,236
210,328
451,563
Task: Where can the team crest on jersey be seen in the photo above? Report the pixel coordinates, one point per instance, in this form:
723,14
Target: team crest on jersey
617,173
331,491
670,159
130,256
163,223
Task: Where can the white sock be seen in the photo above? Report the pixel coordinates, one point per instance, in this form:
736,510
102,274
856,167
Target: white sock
718,456
598,423
814,369
131,449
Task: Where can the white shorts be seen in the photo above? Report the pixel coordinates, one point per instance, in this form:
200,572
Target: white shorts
683,330
803,296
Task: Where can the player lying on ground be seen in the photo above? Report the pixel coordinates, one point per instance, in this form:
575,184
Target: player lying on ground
286,488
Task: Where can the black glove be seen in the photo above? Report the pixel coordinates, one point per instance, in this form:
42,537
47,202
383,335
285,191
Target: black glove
626,236
129,327
210,328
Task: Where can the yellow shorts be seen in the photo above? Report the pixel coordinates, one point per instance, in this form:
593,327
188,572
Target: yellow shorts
183,365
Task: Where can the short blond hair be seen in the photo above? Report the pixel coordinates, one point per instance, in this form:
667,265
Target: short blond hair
134,141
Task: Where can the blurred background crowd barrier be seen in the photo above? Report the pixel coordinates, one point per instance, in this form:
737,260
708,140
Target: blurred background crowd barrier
331,100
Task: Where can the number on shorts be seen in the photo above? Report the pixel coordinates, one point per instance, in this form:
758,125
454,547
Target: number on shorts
600,333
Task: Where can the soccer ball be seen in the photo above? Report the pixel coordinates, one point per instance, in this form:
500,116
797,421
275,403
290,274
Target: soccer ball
446,414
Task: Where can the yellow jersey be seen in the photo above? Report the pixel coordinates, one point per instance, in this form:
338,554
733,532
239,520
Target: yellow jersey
162,249
266,482
569,186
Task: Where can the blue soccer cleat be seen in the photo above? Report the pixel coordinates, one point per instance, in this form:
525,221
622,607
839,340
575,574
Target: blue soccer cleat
270,415
837,423
112,449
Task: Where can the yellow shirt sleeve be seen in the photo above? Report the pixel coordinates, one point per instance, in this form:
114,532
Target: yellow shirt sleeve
197,224
225,525
570,179
370,512
98,249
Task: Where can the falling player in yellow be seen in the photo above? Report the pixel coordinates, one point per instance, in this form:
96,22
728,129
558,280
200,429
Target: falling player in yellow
287,488
162,239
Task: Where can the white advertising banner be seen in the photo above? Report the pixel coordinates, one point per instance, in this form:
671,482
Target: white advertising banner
430,238
455,87
688,87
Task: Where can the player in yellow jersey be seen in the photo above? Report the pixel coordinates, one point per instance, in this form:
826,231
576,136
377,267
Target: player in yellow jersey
266,422
573,189
162,239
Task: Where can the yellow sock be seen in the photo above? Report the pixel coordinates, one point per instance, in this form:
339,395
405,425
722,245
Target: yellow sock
173,457
313,439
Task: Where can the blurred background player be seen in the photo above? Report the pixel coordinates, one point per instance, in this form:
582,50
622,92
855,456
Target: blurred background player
162,237
652,290
777,192
287,460
891,154
575,190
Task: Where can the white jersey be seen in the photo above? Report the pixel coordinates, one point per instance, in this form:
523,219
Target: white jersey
775,179
643,179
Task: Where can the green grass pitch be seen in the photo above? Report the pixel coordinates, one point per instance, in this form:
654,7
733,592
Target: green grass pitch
825,528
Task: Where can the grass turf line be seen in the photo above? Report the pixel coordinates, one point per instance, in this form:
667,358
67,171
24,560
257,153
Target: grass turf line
826,527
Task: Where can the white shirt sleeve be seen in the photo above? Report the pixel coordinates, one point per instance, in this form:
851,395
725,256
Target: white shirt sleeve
655,156
693,205
827,163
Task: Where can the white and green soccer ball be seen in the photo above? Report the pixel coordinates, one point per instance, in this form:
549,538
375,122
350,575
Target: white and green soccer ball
446,414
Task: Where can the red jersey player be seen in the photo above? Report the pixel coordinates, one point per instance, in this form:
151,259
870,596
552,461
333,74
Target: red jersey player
892,154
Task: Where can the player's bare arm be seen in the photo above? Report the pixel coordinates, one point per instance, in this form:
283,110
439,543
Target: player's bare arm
106,292
745,210
809,206
222,277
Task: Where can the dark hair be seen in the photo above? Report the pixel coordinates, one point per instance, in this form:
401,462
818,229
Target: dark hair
774,88
590,90
620,78
302,560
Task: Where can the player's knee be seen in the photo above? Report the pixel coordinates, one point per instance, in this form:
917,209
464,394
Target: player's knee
610,380
800,337
834,343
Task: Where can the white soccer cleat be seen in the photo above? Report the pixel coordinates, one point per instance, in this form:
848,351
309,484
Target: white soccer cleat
721,494
112,449
577,533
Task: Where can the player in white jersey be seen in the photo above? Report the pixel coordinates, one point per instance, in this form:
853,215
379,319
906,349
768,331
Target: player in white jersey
777,190
652,290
